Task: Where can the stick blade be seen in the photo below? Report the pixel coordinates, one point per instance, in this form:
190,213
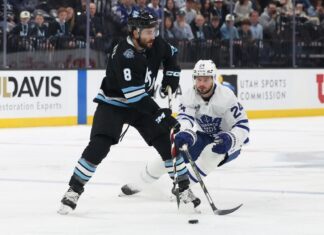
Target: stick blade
226,212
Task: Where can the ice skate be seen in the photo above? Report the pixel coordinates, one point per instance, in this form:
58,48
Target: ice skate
187,196
69,202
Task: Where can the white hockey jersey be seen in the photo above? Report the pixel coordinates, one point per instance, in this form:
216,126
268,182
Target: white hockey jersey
221,113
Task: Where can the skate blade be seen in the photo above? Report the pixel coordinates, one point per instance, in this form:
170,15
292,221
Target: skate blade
121,194
64,210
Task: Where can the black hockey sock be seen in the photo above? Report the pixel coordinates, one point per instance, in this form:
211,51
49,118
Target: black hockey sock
181,171
76,185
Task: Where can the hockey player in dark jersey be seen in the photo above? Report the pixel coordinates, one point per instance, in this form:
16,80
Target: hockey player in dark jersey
125,98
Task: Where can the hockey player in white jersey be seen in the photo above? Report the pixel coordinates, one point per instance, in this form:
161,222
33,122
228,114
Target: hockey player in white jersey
214,125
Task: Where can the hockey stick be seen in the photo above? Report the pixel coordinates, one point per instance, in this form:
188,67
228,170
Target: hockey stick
202,184
175,189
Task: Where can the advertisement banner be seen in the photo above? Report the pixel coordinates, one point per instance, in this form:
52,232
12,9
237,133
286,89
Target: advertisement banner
28,97
263,92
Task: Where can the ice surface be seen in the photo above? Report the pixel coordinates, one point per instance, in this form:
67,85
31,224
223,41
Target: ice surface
279,177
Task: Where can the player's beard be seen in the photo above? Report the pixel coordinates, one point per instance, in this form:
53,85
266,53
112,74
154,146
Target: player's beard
145,44
204,91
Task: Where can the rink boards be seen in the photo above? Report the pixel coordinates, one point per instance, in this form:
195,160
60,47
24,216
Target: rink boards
50,98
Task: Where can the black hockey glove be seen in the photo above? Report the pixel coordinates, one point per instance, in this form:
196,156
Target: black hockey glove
171,81
164,118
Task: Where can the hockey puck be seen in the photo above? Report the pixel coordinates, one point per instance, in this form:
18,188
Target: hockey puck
193,221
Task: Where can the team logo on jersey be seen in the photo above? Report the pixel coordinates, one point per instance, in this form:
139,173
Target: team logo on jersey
320,87
173,49
209,124
149,81
129,54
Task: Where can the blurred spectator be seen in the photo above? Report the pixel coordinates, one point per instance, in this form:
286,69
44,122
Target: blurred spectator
256,5
199,29
168,28
256,28
96,28
181,28
10,16
189,10
268,20
40,33
180,3
320,11
286,7
81,7
206,9
242,9
170,9
263,4
157,9
228,30
141,5
123,10
60,27
23,28
70,19
24,5
10,9
40,30
56,4
308,7
299,11
220,10
247,50
244,31
20,34
214,28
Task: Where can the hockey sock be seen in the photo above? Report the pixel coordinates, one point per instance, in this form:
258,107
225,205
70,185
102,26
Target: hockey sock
83,172
181,171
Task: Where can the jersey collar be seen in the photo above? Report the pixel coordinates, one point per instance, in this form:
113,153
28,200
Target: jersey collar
130,42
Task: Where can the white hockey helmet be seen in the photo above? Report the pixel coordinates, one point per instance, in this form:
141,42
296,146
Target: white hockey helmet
205,68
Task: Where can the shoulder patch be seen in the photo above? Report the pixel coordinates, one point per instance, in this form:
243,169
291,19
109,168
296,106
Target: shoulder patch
173,49
129,54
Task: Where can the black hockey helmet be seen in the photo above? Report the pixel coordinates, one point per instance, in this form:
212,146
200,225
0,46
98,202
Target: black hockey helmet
141,19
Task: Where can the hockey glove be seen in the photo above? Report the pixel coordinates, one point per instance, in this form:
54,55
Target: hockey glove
171,81
187,136
223,143
164,118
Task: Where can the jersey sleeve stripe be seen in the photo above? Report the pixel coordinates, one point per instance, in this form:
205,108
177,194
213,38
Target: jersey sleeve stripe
137,98
243,127
200,171
186,119
134,93
241,121
192,178
186,115
132,88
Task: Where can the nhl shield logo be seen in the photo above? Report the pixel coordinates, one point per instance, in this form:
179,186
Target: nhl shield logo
129,54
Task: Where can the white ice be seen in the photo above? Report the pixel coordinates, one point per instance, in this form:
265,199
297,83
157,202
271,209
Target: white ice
279,177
